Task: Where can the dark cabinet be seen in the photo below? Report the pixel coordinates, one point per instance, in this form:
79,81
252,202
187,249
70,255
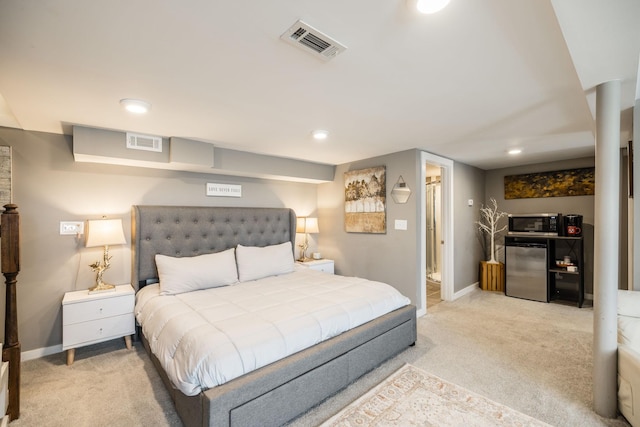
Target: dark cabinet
566,282
560,271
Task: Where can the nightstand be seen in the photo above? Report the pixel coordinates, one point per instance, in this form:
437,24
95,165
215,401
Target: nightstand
93,318
324,265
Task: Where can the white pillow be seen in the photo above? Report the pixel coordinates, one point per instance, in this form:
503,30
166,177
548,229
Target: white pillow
255,263
178,275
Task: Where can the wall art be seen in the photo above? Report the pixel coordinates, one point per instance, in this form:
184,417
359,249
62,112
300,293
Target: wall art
365,200
563,183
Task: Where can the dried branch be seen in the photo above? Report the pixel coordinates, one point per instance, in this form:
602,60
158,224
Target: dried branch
489,219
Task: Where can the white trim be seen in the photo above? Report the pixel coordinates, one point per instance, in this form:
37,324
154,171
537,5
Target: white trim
467,290
447,279
40,352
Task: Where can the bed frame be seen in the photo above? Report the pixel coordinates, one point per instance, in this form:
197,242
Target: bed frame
279,392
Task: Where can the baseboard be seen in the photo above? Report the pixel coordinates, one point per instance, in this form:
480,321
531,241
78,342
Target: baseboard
40,352
465,291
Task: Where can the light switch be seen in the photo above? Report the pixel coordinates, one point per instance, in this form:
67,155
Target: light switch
470,202
401,224
71,227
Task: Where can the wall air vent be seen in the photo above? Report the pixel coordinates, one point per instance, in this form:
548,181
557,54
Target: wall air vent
136,141
313,41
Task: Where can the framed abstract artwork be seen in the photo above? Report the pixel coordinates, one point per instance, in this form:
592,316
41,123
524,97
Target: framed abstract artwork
563,183
365,200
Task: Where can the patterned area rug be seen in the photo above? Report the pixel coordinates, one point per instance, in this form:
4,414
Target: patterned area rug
413,397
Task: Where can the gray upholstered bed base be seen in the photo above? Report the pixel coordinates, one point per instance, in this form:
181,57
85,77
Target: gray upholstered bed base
279,392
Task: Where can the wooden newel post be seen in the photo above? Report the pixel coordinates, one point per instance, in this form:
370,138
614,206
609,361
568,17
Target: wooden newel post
10,259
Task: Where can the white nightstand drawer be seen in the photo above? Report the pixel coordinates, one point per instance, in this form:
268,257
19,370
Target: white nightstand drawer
97,309
325,268
97,330
324,265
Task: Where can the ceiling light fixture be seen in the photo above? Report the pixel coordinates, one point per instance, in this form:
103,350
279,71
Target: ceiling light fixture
136,106
428,6
514,151
320,135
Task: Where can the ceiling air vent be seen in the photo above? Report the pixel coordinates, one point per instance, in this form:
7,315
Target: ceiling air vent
313,41
136,141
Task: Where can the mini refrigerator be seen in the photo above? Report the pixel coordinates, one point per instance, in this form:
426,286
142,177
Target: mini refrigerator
526,270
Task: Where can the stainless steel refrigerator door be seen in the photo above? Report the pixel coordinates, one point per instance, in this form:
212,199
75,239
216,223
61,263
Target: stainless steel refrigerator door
526,272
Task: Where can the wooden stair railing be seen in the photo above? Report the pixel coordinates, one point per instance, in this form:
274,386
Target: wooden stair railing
10,260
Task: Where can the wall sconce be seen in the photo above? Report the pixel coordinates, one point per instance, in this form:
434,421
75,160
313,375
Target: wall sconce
103,232
306,225
400,192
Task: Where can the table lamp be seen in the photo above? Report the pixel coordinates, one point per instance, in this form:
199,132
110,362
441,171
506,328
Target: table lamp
306,225
103,232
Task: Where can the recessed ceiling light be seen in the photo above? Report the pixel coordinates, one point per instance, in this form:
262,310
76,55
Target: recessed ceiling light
136,106
428,6
320,135
514,151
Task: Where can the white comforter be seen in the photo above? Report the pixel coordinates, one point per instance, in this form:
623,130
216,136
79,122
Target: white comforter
206,338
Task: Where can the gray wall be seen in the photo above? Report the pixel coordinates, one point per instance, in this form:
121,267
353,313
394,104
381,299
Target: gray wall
392,257
582,205
468,184
395,257
49,187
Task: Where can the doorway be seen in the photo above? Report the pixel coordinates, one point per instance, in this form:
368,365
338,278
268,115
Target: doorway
446,240
433,228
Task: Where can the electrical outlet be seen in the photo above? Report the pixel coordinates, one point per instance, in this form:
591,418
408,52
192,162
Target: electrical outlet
71,227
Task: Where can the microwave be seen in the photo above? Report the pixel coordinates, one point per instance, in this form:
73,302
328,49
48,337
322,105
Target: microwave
535,224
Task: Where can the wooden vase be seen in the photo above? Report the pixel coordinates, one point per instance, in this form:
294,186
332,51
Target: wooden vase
491,276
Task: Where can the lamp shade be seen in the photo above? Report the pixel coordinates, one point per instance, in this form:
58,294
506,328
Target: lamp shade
307,225
104,232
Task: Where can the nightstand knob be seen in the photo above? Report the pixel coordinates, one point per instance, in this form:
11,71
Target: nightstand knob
100,310
100,331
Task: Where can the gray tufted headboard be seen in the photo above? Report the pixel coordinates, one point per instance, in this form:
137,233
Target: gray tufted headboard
195,230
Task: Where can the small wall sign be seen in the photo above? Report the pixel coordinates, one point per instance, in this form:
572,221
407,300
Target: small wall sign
224,190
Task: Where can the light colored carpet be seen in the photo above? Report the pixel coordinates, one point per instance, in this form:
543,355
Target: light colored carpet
530,356
413,397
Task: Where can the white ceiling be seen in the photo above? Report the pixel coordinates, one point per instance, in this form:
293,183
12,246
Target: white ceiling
467,83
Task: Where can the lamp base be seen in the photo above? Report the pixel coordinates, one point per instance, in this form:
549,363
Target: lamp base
102,287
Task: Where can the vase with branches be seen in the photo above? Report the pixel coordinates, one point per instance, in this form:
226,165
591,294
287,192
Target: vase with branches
489,218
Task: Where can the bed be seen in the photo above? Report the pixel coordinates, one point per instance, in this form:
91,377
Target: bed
273,392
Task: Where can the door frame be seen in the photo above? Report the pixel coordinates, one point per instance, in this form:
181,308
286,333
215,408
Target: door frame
446,189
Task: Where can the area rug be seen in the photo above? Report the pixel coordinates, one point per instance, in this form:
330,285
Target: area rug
413,397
